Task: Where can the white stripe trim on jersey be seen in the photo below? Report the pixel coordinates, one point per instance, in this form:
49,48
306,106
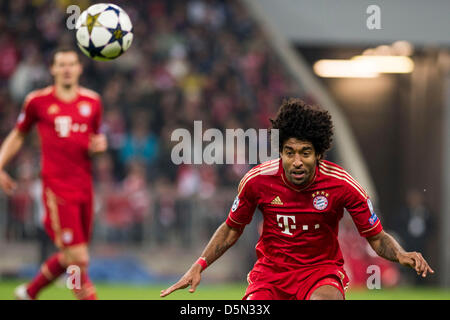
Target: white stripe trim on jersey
262,165
229,216
335,168
37,93
258,168
88,92
346,180
376,225
273,168
340,170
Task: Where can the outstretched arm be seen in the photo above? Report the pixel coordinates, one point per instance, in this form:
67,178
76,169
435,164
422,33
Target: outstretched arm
8,150
387,247
221,241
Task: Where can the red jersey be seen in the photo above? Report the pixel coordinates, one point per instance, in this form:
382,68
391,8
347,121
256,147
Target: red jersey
300,225
64,129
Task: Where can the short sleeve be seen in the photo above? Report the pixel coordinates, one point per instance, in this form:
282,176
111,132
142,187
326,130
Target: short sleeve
27,116
360,208
244,206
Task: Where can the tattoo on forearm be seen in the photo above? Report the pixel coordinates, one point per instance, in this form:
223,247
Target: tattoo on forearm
221,241
221,248
388,248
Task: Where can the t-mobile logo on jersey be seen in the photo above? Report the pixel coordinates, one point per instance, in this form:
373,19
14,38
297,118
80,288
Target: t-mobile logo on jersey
283,222
64,126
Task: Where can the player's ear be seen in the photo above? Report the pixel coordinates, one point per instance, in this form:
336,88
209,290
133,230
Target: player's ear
79,64
52,69
80,68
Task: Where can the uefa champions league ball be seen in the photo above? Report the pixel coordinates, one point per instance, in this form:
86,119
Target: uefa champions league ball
104,31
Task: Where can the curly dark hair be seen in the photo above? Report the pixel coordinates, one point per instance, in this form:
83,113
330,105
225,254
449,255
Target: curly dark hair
297,119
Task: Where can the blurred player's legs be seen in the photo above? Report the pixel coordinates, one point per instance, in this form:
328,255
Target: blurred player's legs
50,270
78,255
69,225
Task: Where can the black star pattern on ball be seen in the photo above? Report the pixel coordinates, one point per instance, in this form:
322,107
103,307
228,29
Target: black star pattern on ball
94,51
117,11
117,34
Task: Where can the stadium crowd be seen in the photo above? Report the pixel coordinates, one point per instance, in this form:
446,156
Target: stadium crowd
190,60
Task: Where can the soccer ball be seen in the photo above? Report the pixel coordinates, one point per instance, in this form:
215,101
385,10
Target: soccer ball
104,31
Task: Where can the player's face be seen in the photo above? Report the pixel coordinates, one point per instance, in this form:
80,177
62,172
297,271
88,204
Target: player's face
299,161
66,69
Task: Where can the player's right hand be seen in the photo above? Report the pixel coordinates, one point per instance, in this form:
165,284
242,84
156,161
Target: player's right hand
97,143
7,183
192,277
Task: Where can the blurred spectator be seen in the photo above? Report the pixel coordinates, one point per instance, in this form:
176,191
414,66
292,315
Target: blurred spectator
140,144
20,223
414,225
30,74
165,211
136,189
9,56
116,215
114,127
414,222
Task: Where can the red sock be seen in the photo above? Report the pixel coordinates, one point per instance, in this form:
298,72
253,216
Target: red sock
87,289
50,270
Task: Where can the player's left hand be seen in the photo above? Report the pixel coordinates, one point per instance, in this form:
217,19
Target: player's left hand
416,261
97,143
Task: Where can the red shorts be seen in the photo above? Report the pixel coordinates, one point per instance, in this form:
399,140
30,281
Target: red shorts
270,283
67,222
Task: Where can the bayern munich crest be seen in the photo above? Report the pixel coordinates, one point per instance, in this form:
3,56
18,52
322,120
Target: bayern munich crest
320,200
85,109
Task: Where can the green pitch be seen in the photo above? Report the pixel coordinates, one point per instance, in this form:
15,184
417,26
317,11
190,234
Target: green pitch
216,292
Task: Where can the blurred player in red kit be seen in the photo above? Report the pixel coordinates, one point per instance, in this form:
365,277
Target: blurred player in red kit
68,119
302,197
